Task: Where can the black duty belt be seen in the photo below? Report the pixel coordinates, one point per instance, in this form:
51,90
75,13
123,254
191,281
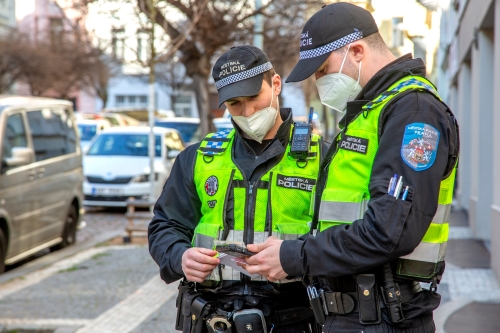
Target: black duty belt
290,316
341,303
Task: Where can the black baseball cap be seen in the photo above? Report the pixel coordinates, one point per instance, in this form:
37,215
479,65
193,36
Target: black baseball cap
240,71
331,28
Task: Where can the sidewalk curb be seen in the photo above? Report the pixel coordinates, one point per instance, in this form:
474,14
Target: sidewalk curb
444,311
56,256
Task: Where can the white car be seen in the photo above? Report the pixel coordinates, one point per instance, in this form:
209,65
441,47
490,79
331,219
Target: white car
116,165
89,128
223,122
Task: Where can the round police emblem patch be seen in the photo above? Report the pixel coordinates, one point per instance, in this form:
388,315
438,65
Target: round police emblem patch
211,185
419,147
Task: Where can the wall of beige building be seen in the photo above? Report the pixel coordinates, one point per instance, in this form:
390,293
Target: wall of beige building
472,72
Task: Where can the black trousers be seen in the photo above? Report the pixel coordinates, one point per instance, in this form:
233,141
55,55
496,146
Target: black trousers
350,324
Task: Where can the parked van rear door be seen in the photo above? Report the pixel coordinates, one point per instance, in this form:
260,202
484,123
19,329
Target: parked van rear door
17,197
57,166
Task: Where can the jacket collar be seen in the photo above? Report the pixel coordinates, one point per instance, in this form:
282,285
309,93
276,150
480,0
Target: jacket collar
381,81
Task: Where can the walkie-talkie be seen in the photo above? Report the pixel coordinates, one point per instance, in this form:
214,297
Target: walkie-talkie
301,138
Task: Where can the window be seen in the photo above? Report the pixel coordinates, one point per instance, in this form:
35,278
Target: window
118,144
56,31
142,45
118,43
397,32
120,100
15,135
182,105
53,133
136,101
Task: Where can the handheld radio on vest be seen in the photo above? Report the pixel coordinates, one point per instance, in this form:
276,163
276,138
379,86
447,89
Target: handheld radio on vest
301,138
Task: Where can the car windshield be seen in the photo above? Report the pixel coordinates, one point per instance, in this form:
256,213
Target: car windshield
87,131
123,145
187,130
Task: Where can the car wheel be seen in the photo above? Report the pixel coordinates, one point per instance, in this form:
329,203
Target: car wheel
69,232
3,251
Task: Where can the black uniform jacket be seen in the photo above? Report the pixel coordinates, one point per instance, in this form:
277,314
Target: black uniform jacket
178,209
377,238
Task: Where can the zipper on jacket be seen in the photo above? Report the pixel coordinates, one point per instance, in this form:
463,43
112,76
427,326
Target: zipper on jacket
249,227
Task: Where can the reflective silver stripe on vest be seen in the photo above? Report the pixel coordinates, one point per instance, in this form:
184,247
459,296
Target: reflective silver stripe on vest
428,252
341,211
230,274
442,214
432,252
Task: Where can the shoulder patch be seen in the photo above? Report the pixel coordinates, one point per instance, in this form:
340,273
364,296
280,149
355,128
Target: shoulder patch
419,147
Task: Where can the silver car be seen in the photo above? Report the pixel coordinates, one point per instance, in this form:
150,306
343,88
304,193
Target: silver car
40,176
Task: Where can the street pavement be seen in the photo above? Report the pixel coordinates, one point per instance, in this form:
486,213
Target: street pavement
108,286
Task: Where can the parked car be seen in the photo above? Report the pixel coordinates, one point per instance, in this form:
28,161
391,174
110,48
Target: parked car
187,127
89,128
114,119
140,114
116,165
223,122
40,176
118,119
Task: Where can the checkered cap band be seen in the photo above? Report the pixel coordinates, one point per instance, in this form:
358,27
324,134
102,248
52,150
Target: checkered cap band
243,75
337,44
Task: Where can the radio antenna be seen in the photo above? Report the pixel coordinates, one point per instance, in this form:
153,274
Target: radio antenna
311,111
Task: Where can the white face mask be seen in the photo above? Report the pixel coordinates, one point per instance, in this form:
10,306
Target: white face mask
336,89
257,125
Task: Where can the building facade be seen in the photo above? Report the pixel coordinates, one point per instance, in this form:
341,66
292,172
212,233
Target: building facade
46,20
122,32
469,80
7,16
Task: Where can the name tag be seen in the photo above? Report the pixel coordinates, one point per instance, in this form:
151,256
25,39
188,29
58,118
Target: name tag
293,182
354,143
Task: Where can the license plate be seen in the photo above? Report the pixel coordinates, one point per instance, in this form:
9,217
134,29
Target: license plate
107,191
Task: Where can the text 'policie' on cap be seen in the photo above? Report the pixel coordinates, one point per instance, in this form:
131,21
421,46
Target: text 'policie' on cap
239,72
331,28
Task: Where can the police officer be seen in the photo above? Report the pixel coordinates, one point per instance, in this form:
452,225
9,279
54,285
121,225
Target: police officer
242,186
384,194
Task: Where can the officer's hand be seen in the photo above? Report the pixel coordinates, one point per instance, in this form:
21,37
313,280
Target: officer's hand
267,261
198,263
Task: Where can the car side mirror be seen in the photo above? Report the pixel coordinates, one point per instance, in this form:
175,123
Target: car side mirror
172,154
20,156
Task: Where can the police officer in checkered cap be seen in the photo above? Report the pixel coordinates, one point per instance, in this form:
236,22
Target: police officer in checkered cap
240,186
384,192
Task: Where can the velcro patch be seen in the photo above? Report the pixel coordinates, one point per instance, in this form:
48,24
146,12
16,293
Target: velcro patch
354,143
419,147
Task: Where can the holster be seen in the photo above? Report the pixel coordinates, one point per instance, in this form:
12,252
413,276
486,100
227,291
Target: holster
184,286
185,307
318,310
200,309
368,299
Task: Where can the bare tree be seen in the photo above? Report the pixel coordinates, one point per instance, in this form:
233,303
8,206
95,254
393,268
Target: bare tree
171,75
102,68
223,23
10,68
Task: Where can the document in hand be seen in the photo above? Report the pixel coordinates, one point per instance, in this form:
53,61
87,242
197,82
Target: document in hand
231,261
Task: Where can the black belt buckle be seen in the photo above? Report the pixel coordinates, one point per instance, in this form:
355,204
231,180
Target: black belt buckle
369,306
339,303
